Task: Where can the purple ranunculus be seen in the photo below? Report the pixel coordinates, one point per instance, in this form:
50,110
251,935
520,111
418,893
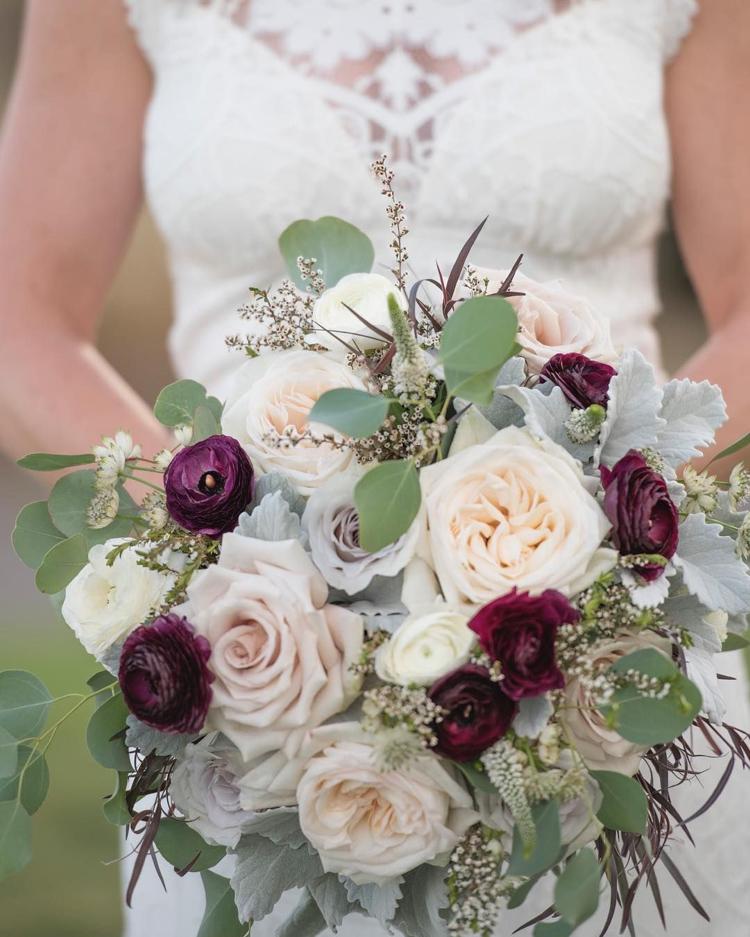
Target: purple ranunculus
476,712
519,631
583,380
644,519
208,485
164,677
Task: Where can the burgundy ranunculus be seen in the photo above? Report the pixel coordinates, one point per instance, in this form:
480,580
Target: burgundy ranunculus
583,380
477,712
519,630
644,518
163,675
208,485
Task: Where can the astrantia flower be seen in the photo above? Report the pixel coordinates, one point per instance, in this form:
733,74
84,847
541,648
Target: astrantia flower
644,519
519,631
583,380
476,712
164,677
209,485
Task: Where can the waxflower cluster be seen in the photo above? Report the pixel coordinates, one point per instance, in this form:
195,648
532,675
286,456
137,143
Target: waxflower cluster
396,598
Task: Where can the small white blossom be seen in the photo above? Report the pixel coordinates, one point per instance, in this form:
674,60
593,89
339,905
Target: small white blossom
183,434
743,539
163,458
701,491
739,486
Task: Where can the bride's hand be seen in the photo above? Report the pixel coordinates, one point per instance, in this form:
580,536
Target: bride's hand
70,189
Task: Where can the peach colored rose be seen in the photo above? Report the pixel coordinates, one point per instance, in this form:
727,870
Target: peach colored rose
375,825
552,321
271,399
601,747
280,654
512,511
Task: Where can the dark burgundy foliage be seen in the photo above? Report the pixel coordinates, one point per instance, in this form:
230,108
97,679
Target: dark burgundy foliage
643,516
208,485
477,712
583,381
163,675
519,630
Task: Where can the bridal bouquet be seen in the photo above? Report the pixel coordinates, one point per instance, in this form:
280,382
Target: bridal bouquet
428,610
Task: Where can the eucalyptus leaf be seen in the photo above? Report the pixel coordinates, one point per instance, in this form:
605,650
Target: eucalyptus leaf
387,499
52,462
338,247
736,642
104,684
546,850
624,806
182,846
220,914
115,807
355,413
34,534
61,564
177,403
24,704
69,502
559,928
737,446
205,424
34,783
8,754
476,776
477,339
105,734
15,838
577,888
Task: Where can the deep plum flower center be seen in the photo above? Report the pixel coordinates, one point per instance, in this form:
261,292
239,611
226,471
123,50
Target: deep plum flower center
528,648
211,483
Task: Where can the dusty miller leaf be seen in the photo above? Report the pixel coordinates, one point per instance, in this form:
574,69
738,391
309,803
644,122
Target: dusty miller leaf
281,826
425,895
273,519
305,921
533,716
693,412
264,871
546,413
275,481
331,897
633,420
379,901
710,568
147,740
701,670
685,611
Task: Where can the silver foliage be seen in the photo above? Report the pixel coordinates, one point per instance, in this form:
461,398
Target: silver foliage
425,895
281,826
379,901
331,898
710,568
546,414
533,715
147,740
692,413
264,871
685,611
305,921
276,481
633,420
272,519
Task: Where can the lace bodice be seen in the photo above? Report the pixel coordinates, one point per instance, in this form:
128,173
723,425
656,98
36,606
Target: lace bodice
545,114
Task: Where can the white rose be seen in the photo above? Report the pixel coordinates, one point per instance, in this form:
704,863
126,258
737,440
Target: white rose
271,398
205,788
280,655
365,293
332,526
375,825
601,748
426,646
552,321
103,604
511,512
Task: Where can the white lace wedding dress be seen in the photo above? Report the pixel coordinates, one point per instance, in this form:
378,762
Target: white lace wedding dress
545,115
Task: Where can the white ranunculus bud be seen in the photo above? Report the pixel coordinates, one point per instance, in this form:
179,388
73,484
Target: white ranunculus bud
427,645
332,526
365,293
205,789
103,603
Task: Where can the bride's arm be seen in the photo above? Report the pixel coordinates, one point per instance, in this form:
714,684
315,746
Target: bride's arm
69,192
708,102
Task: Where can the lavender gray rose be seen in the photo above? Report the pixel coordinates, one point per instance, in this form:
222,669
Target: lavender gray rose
208,485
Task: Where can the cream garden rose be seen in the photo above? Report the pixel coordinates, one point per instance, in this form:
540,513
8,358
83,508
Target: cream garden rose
602,748
373,825
427,645
280,655
104,603
511,512
552,321
270,402
365,293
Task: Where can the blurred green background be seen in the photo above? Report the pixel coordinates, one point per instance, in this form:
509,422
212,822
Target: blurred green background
71,889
